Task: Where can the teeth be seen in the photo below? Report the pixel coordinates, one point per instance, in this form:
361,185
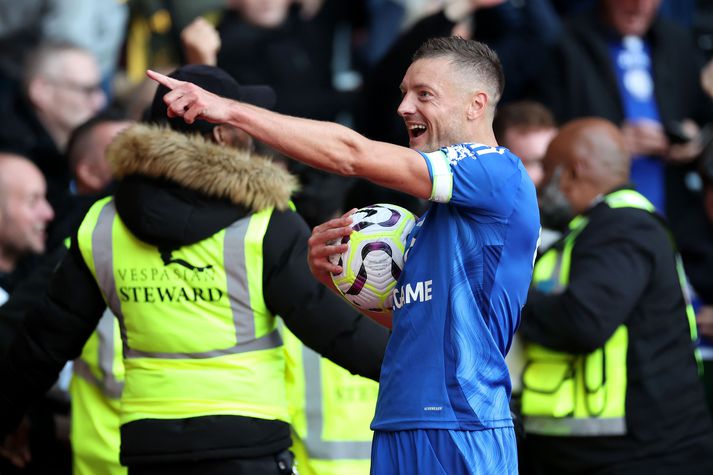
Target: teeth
417,127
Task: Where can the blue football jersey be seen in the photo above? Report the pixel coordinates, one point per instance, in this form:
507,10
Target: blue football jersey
458,300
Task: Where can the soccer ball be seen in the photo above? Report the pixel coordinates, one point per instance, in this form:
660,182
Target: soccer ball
375,257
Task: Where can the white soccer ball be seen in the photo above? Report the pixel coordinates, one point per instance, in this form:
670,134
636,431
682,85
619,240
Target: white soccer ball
375,257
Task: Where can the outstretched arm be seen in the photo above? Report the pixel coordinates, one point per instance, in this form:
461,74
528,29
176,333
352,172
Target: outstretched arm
324,145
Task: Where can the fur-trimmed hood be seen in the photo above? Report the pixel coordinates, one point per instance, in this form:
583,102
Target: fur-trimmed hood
175,190
246,180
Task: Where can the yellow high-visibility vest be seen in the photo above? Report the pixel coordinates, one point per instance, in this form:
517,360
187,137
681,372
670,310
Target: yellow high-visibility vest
97,381
572,394
196,333
330,410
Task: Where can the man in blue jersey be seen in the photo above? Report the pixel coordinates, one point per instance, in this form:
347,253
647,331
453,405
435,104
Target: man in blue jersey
443,400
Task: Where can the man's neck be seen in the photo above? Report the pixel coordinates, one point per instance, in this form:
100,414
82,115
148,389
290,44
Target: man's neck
485,135
59,135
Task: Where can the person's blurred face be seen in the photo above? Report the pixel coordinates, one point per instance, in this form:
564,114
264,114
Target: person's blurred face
95,155
530,145
561,159
434,104
25,211
262,13
75,93
573,188
631,17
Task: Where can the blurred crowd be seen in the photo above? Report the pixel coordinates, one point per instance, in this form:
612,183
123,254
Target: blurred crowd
72,77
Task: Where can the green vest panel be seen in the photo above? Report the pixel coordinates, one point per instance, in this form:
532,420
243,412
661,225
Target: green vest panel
197,336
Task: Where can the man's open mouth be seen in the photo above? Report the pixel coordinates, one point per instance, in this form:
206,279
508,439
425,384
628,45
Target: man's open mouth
416,130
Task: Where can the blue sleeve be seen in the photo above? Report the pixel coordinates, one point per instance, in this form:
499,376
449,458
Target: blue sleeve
475,177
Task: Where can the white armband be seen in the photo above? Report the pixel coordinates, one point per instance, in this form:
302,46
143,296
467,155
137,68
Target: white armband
442,177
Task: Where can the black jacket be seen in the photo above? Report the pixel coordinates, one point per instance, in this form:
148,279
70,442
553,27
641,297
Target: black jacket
623,273
216,188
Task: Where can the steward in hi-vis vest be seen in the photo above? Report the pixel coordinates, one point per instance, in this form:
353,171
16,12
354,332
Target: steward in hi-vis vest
195,254
610,383
611,374
330,413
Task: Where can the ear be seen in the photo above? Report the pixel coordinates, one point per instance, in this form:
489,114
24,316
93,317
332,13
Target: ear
478,105
218,134
86,178
583,167
230,136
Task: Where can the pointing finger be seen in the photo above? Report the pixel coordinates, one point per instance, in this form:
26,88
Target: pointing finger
170,83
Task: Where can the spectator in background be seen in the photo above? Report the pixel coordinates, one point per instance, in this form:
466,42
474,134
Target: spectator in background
611,383
96,25
61,89
622,62
24,216
86,151
271,43
98,372
90,170
526,128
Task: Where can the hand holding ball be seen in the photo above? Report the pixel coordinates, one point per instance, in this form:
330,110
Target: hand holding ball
375,257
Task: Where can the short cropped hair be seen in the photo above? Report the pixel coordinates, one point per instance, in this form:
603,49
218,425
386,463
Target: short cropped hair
473,56
78,140
522,115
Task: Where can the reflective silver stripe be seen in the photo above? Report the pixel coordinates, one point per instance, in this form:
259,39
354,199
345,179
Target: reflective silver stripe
557,273
567,426
103,253
316,447
108,384
81,369
105,332
237,284
236,274
271,340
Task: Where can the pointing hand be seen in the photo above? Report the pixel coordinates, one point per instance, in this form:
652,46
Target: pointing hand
192,102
